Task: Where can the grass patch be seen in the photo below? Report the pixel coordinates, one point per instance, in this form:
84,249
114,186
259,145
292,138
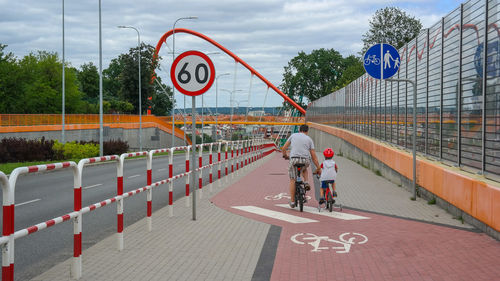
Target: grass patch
7,168
432,201
460,218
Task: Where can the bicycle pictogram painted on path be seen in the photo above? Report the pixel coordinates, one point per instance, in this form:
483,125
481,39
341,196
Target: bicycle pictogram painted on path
346,240
282,195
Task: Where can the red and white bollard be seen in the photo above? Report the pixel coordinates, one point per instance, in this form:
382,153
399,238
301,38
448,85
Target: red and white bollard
171,183
187,175
219,164
227,163
149,192
210,177
7,228
232,159
200,172
119,191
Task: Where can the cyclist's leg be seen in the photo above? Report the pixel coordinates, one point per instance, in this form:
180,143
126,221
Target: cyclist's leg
292,190
292,174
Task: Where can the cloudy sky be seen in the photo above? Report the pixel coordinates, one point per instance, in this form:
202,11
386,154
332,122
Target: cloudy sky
266,34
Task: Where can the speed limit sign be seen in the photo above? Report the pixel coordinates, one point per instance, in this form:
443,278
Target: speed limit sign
192,73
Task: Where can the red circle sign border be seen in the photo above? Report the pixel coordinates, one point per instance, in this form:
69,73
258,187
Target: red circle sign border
210,81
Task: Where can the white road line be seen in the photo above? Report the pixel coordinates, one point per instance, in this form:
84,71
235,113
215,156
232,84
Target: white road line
335,215
92,186
274,214
27,202
162,169
134,176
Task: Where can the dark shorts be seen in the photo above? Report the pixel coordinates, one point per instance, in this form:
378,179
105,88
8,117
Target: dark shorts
324,184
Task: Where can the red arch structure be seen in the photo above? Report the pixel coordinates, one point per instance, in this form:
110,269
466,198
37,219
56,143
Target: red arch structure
163,39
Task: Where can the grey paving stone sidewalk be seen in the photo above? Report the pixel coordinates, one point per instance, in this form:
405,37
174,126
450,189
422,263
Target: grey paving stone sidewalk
217,246
362,189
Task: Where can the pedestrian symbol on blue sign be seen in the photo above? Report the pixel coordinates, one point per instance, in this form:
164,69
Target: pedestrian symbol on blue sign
381,61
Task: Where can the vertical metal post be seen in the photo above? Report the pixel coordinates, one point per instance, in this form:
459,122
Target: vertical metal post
63,139
459,94
193,156
385,111
406,99
398,114
140,93
427,95
414,83
415,109
441,93
484,88
391,111
101,131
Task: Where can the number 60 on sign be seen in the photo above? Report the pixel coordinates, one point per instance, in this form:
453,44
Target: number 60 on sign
192,73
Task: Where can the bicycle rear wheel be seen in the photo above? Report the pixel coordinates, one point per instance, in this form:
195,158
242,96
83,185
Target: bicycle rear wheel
330,202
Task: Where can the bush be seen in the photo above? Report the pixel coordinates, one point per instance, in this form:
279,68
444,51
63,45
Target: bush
74,150
22,150
113,147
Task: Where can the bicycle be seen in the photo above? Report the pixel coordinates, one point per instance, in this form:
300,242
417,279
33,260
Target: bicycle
330,196
300,189
372,59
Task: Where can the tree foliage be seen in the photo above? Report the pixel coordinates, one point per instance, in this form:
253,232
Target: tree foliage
122,81
314,75
393,26
33,84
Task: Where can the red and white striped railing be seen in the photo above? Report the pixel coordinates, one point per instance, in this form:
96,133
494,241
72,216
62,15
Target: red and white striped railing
247,152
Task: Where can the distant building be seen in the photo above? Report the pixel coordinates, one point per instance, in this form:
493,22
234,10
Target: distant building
256,113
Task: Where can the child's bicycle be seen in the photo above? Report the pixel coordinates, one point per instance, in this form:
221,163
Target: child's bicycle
330,196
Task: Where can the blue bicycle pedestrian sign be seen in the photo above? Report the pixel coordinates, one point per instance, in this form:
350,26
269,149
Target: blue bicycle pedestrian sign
381,61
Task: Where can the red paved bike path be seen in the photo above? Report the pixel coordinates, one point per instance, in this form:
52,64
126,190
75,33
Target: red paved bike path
397,249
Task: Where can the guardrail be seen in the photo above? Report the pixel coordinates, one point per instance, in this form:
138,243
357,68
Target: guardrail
247,152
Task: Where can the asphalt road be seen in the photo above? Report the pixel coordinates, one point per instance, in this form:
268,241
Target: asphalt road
43,196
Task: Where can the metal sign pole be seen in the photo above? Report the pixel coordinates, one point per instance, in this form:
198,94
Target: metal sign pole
414,137
193,155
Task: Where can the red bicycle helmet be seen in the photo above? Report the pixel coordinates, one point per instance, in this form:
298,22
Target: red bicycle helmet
328,153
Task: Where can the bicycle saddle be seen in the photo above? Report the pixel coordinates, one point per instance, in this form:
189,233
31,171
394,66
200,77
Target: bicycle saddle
299,165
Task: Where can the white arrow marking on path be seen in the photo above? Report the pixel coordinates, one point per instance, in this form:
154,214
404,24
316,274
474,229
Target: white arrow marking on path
336,215
274,214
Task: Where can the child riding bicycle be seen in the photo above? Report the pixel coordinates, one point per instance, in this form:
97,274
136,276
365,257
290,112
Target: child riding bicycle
328,174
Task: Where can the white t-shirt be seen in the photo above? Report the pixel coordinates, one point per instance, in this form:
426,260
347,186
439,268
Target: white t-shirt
328,171
300,145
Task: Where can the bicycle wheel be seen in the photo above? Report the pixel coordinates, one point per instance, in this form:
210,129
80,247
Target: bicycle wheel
301,203
330,202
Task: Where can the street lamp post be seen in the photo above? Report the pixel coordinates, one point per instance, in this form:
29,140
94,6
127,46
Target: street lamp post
216,101
140,94
173,88
63,79
101,131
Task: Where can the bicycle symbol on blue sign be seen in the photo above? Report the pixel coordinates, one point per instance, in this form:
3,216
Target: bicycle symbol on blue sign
381,61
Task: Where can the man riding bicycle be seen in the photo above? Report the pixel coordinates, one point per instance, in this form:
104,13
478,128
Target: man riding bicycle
301,151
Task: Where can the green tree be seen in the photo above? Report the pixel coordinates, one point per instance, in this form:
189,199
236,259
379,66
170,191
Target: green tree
313,75
122,81
391,25
9,86
88,78
39,89
353,71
